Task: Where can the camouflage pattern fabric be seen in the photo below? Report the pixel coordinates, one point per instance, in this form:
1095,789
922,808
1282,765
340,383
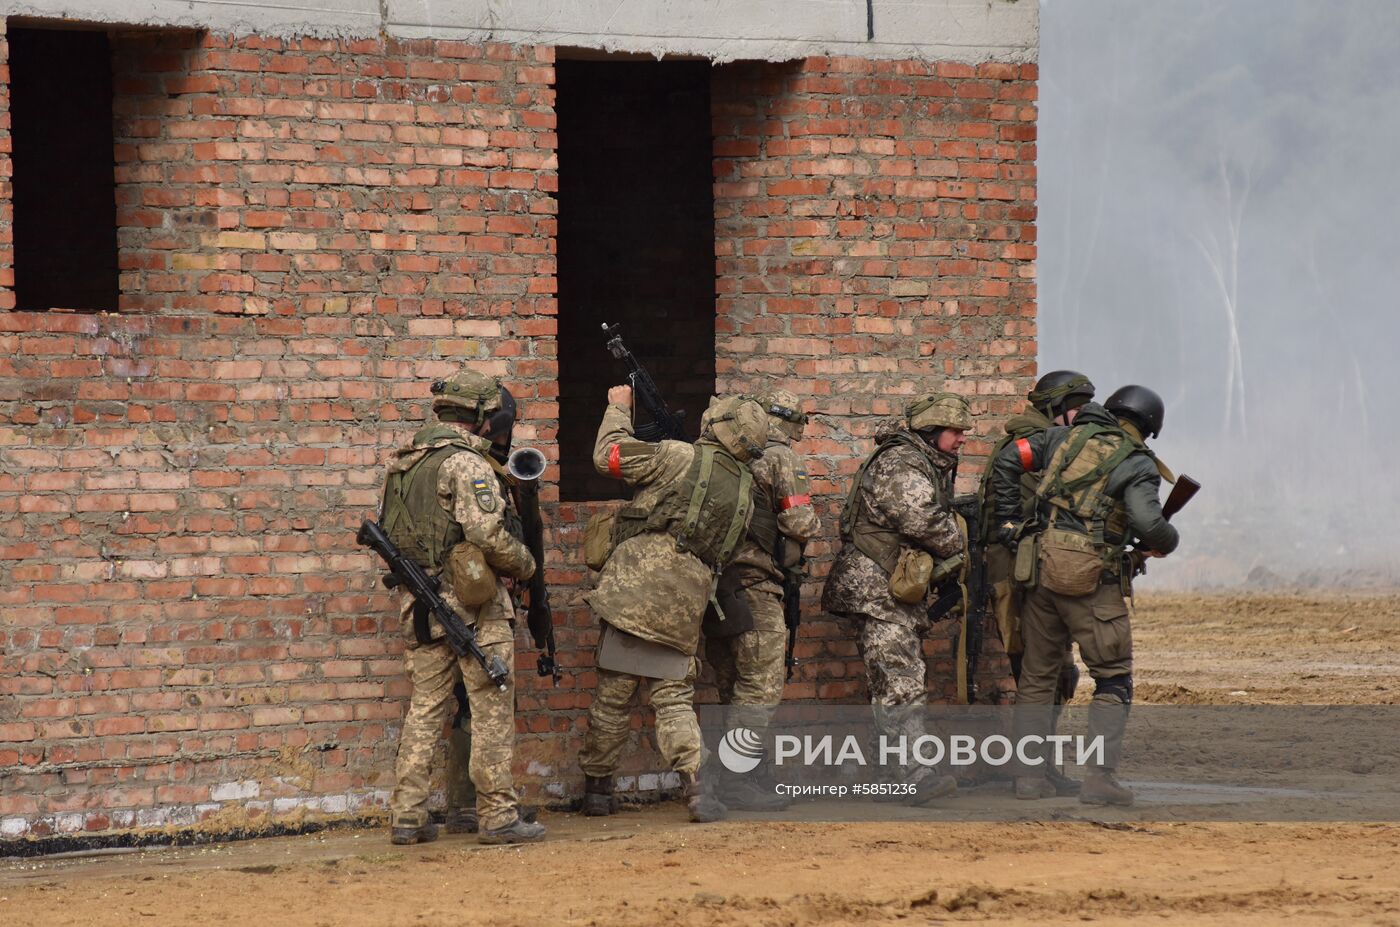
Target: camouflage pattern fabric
748,667
899,496
648,587
433,670
610,722
895,674
470,491
783,478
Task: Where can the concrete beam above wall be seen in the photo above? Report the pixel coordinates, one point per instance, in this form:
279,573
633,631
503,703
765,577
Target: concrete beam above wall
723,30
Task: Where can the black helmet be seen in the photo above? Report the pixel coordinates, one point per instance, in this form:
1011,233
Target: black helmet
1059,391
501,422
1141,406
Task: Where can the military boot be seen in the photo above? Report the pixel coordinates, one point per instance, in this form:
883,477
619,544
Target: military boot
598,797
1063,784
704,807
517,831
1101,788
1033,788
411,829
749,794
461,821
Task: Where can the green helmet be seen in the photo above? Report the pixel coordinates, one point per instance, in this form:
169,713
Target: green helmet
1059,391
466,396
938,410
739,425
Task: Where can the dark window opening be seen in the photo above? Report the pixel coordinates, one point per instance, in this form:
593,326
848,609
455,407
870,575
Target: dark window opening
65,211
636,244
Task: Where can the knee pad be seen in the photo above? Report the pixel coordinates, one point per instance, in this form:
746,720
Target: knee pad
1120,686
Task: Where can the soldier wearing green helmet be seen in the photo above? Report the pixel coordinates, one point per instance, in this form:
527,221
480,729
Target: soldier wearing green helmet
1055,400
899,512
446,505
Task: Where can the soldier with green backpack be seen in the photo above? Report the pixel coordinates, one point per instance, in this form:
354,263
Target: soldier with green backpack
660,558
1055,400
446,506
1095,507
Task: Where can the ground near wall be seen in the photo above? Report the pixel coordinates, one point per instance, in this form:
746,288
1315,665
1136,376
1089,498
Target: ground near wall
649,867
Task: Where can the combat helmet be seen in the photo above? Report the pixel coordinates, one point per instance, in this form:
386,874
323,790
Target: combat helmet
738,424
1059,391
1139,405
785,411
938,410
467,396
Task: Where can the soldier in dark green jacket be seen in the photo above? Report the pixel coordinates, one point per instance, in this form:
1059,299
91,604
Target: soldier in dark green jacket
1097,496
1055,400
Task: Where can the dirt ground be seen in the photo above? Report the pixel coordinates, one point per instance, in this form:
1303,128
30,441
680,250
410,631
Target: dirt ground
649,867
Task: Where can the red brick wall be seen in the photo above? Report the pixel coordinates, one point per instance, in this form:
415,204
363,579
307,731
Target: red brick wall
875,238
313,230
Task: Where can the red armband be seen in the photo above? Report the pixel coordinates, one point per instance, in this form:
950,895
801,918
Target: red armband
615,461
1027,458
791,501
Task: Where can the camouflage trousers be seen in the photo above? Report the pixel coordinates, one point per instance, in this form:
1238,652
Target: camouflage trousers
433,669
748,667
610,722
894,673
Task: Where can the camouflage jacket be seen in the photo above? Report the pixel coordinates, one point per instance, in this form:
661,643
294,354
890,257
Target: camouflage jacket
648,587
781,478
910,492
477,499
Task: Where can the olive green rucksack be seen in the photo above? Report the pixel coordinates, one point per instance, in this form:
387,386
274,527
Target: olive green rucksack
410,512
706,512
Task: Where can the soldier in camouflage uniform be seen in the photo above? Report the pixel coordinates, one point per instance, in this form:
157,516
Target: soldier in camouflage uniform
1055,400
749,666
901,500
442,493
1097,495
657,581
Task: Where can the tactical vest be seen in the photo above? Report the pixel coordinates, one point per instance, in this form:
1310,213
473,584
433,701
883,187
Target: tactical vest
706,511
763,527
1076,480
878,543
410,512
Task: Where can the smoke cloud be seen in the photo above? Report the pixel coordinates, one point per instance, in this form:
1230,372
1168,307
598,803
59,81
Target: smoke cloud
1216,188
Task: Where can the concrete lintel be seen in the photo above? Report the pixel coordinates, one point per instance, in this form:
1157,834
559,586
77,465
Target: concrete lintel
327,18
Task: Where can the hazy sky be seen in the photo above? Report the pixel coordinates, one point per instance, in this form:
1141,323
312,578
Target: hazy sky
1216,222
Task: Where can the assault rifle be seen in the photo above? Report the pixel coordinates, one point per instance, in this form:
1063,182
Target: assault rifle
664,424
427,600
792,612
978,596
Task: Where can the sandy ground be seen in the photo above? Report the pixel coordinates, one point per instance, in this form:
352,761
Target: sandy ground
649,867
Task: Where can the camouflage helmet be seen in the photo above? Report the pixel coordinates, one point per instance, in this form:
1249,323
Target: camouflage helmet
784,411
467,396
938,410
738,424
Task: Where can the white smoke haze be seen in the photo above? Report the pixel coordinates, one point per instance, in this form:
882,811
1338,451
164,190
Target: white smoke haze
1217,189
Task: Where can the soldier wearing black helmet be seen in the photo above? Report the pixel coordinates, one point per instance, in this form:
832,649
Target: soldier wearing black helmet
1096,499
1055,400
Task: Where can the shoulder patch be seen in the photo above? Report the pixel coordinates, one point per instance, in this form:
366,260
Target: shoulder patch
631,449
485,495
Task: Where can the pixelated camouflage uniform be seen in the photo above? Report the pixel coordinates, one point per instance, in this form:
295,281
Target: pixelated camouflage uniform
650,589
748,667
908,490
476,498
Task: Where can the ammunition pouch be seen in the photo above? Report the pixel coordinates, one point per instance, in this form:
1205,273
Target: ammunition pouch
468,575
913,571
1024,570
728,614
1070,563
598,539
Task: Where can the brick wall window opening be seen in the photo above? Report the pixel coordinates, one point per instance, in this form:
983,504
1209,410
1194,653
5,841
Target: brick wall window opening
636,243
65,224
